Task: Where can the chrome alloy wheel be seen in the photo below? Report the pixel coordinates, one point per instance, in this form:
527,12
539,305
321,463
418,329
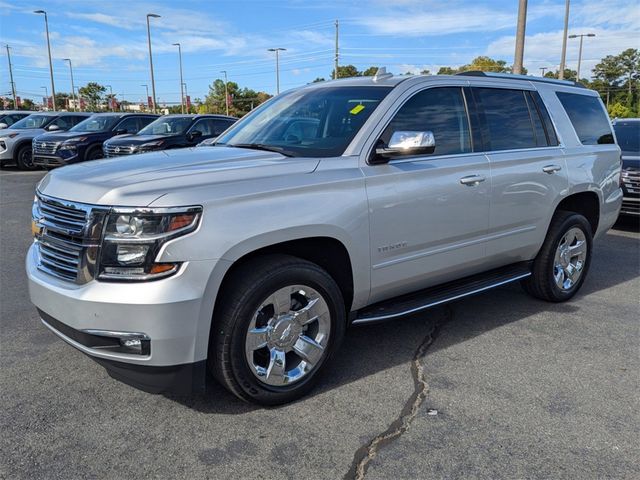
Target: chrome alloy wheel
570,259
288,335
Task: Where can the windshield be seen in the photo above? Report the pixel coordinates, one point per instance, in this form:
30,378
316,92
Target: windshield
628,136
33,121
167,126
96,123
319,122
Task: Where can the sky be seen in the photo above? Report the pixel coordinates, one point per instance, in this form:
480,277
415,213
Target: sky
107,40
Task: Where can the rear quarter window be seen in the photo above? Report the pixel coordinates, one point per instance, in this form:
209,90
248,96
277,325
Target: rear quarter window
587,117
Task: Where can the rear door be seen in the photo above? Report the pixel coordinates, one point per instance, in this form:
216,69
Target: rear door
528,171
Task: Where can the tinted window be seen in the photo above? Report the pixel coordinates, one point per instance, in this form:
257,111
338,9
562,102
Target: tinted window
33,121
552,138
506,118
65,123
206,126
167,126
220,126
96,123
536,121
628,136
338,112
587,117
439,110
130,124
144,121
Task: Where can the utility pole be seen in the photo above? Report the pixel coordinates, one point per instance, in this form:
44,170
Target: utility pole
110,98
73,88
277,50
153,82
543,69
563,57
226,91
46,26
582,35
46,96
146,99
13,85
335,75
181,82
520,31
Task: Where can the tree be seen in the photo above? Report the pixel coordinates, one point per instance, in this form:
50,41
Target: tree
242,100
369,72
319,79
447,71
630,65
617,110
481,63
27,104
92,93
62,101
346,71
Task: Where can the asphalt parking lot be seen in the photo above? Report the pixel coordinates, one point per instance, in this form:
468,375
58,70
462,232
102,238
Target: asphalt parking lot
496,386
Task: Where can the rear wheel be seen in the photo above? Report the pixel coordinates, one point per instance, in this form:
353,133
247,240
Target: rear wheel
24,158
95,154
562,264
280,320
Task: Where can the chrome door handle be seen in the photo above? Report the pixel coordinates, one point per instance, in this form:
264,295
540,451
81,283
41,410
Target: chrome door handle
472,180
551,169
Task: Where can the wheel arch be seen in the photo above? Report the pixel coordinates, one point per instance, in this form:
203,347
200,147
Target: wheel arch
586,203
18,146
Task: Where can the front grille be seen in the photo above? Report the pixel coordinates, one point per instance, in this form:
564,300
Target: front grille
118,150
630,207
45,148
631,180
67,238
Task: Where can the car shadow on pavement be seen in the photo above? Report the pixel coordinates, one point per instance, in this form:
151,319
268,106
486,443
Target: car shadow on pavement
368,350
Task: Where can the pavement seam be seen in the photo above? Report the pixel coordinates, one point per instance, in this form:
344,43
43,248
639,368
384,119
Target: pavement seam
365,454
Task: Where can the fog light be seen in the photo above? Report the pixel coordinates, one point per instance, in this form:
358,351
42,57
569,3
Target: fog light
132,254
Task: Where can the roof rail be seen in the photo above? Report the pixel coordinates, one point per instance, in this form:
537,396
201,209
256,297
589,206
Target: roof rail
513,76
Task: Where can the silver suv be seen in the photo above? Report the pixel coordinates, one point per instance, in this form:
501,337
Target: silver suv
338,203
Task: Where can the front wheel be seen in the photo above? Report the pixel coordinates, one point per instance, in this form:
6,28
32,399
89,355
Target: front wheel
24,158
563,261
280,320
95,154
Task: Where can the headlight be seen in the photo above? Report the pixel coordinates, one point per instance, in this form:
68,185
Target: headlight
133,238
151,145
7,137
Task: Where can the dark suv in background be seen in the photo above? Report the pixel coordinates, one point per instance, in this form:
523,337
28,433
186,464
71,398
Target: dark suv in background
628,137
84,141
170,131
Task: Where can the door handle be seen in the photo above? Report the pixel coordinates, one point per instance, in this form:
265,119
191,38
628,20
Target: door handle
472,180
551,169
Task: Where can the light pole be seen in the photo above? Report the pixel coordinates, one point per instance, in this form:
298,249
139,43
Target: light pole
110,98
181,91
226,91
185,98
563,56
543,69
73,93
582,35
521,26
46,95
277,50
153,82
46,26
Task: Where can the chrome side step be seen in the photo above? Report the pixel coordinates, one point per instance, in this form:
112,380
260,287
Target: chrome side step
448,292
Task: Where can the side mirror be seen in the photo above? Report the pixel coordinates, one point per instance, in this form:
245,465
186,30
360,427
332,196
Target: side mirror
53,128
406,143
3,125
121,131
194,135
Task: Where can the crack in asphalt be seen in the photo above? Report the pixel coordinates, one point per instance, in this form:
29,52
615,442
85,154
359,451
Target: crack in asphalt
365,454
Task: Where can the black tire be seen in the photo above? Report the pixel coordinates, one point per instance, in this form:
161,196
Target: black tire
542,284
95,153
242,296
24,158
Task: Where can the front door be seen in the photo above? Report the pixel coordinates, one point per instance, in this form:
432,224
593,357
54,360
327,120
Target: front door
428,214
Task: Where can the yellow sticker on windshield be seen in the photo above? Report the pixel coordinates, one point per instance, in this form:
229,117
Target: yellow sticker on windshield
356,110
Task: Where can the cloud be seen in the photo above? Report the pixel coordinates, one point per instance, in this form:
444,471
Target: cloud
113,21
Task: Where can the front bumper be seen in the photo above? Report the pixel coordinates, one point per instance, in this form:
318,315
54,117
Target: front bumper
51,161
174,313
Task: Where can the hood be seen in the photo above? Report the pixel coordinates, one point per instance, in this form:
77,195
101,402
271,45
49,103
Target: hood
22,132
62,136
139,139
138,180
629,159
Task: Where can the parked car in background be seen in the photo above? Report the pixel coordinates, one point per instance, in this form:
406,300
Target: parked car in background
252,257
628,137
84,141
16,142
9,117
169,131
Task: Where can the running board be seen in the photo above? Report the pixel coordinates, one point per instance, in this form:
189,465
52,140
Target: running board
431,297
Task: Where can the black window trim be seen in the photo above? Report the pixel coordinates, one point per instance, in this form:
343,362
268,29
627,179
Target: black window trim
420,157
484,129
547,121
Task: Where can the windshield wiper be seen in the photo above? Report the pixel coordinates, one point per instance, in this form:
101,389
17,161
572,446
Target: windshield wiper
262,146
